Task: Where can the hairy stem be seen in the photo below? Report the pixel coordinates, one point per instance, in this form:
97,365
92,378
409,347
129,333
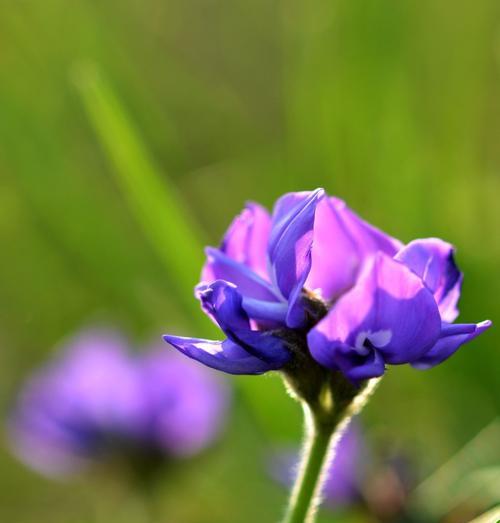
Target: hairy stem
326,420
316,457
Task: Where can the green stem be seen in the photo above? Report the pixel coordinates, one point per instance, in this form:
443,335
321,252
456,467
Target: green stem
307,489
328,409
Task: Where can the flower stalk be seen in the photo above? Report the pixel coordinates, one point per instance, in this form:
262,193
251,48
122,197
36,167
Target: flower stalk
325,421
306,492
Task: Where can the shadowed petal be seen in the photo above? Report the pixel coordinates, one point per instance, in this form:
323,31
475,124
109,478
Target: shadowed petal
265,310
219,266
225,356
433,260
265,346
323,346
223,303
389,310
452,338
358,367
247,237
355,364
290,248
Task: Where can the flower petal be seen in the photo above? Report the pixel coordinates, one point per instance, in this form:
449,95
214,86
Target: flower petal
369,239
247,237
340,356
342,243
265,346
219,266
335,255
389,310
223,303
433,260
452,338
290,248
282,209
265,310
359,367
225,356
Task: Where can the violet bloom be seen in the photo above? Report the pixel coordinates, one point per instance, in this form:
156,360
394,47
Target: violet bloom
315,278
98,400
343,482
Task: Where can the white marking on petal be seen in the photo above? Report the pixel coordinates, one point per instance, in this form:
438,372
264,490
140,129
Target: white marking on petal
359,344
380,338
211,348
377,339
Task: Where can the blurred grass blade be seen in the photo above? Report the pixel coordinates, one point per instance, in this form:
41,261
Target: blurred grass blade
170,229
155,203
172,232
471,475
492,516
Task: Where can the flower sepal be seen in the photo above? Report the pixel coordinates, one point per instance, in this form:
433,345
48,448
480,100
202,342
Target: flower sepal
329,395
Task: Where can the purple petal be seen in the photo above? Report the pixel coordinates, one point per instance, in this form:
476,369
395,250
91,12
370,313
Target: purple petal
66,409
342,243
219,266
368,238
185,404
340,356
452,338
265,310
335,255
265,346
81,379
247,237
222,302
433,260
225,356
359,367
389,310
290,248
282,209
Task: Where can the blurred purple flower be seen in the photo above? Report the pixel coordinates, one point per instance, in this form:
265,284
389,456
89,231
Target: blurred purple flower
184,408
343,483
314,277
97,400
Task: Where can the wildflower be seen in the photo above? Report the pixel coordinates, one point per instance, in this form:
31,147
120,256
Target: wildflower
315,284
97,401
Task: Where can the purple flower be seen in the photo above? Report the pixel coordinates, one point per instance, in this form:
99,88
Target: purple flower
184,409
343,483
315,278
97,400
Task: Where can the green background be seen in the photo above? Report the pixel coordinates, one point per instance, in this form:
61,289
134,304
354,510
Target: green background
132,132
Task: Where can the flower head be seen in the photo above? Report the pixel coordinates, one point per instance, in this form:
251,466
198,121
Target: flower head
98,400
315,281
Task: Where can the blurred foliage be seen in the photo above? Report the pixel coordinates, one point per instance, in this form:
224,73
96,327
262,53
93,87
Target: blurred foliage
392,106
